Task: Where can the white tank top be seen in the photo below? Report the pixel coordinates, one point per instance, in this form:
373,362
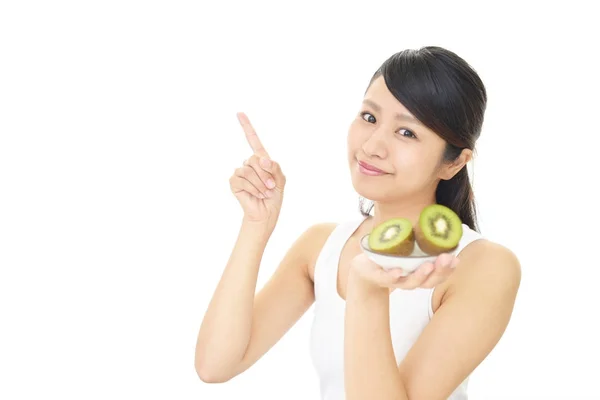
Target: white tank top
410,312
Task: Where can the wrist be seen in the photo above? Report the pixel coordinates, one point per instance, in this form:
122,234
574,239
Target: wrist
359,286
258,229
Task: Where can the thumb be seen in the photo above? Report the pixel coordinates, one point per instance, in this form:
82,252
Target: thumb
274,169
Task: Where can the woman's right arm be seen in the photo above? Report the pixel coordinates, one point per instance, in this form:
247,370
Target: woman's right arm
239,327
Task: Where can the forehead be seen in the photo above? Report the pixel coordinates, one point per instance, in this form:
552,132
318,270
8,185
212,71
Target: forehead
379,92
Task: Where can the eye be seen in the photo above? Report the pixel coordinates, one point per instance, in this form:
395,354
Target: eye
371,119
410,134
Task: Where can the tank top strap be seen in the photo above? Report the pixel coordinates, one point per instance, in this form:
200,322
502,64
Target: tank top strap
469,236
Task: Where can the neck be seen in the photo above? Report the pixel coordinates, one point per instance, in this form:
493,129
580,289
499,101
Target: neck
409,209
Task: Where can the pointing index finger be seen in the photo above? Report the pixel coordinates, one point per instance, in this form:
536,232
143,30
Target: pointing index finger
251,136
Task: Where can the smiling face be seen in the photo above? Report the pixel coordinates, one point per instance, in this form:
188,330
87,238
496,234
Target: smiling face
387,136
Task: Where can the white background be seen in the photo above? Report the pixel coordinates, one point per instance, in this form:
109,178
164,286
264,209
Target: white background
118,136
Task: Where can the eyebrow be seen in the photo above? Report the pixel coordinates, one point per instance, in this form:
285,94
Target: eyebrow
399,116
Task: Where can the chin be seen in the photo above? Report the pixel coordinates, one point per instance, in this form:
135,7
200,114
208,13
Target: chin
371,189
364,189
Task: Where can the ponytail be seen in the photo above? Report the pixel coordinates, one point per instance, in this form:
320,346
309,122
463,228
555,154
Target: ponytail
457,194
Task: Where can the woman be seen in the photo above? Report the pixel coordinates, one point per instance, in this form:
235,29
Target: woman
375,333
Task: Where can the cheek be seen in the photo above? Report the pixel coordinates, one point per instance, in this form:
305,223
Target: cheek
404,157
410,164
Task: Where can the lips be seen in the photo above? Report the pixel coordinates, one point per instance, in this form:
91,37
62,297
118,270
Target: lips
369,167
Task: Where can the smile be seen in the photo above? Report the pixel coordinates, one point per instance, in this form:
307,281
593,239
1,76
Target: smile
369,170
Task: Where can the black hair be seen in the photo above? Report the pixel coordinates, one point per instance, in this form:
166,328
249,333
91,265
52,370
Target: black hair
446,94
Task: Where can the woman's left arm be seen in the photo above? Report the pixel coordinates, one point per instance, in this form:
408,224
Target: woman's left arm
472,318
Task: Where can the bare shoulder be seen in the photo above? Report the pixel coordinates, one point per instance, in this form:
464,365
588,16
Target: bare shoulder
300,257
486,266
472,318
313,240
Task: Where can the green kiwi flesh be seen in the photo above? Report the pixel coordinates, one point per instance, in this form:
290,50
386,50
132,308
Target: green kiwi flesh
439,230
394,236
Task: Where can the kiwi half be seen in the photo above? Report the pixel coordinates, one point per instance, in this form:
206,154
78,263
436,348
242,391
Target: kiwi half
439,230
394,236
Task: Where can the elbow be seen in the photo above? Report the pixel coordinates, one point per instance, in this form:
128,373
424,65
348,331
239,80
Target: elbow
207,374
207,377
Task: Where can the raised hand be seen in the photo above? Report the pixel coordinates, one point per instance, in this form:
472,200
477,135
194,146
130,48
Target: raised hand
258,184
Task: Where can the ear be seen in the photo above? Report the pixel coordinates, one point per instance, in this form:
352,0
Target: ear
449,170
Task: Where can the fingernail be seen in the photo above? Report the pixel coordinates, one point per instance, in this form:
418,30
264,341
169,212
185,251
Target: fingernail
261,196
270,184
265,163
454,263
269,193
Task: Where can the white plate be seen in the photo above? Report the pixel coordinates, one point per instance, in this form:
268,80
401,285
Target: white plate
406,263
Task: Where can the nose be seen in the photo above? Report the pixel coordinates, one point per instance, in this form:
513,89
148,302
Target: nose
375,145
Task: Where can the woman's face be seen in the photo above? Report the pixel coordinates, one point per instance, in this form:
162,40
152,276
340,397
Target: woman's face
387,136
